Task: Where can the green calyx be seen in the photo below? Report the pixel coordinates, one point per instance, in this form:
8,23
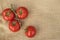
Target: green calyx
8,13
20,12
13,23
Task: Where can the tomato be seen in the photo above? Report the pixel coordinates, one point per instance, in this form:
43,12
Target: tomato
14,25
30,31
22,12
8,14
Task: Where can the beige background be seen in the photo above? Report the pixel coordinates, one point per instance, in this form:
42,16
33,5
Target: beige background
43,14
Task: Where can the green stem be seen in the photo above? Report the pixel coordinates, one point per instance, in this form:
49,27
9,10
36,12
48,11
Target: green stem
12,8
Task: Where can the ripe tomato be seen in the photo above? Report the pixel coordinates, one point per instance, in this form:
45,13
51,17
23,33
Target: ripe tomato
14,25
30,31
22,12
8,14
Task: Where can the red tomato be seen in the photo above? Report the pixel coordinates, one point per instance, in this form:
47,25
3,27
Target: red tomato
22,12
30,31
8,14
14,25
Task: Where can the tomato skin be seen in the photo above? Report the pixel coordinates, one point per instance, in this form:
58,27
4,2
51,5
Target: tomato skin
15,27
30,31
24,13
10,16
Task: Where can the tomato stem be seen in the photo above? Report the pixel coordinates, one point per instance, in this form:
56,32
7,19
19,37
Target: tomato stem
26,30
12,8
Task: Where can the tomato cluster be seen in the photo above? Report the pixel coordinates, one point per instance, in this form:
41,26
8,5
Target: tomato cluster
9,15
14,25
